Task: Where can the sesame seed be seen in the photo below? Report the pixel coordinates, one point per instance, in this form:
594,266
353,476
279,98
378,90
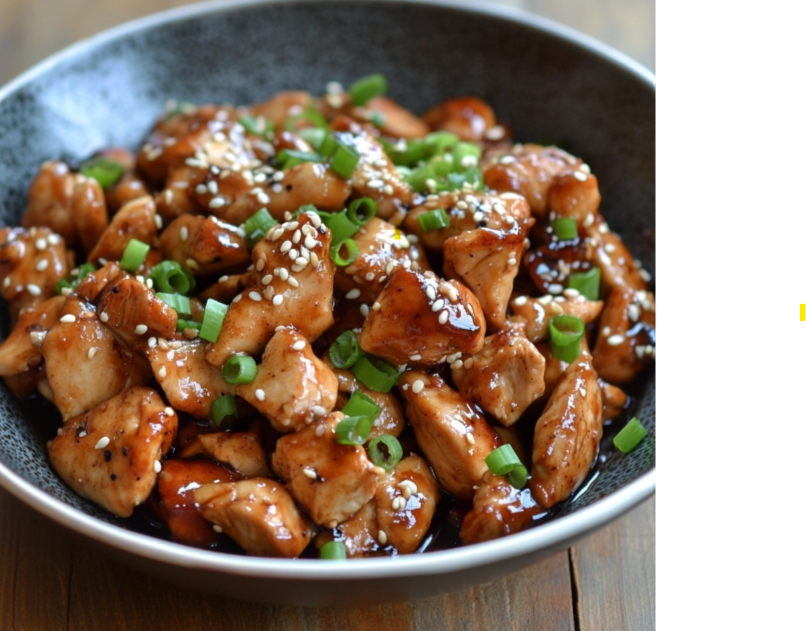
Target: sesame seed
192,264
234,300
469,362
162,372
254,295
157,466
260,394
588,220
376,306
102,443
217,202
585,168
300,262
42,265
639,352
609,248
512,261
579,175
520,301
555,288
218,528
417,386
286,246
376,183
34,290
36,337
297,236
399,503
457,364
416,357
41,244
431,184
201,189
645,275
615,340
282,273
388,189
364,309
91,353
318,410
104,317
604,228
443,317
438,305
263,198
571,293
298,346
634,312
68,319
583,392
381,537
183,233
320,430
277,300
314,259
470,438
478,216
309,472
140,329
507,160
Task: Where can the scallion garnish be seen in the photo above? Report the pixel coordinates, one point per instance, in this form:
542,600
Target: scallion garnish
181,325
353,430
134,255
288,158
314,136
252,125
367,88
177,302
629,436
376,373
169,277
333,551
385,452
310,115
586,283
566,336
329,145
345,159
361,405
223,407
258,225
75,280
434,220
345,351
361,211
103,170
239,369
352,253
439,141
565,228
504,461
214,313
341,227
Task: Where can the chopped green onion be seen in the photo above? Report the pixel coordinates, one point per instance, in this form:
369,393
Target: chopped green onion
363,205
566,336
314,136
377,119
439,141
565,228
629,436
345,351
103,170
181,325
214,313
75,279
288,158
345,159
223,407
504,461
367,88
329,145
169,277
352,253
341,227
134,255
258,225
434,220
361,404
406,153
385,452
375,373
333,551
586,283
353,430
240,369
255,126
63,284
464,150
310,115
177,302
83,270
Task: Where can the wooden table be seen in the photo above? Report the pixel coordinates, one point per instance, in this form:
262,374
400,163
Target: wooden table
48,581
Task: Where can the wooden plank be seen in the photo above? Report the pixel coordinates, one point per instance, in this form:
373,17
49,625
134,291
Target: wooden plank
614,571
9,526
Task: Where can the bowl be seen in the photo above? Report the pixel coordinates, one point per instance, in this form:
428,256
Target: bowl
547,81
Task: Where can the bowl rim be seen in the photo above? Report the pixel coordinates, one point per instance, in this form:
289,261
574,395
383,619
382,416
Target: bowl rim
552,534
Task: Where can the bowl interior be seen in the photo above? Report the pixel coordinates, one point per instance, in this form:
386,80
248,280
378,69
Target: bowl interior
549,89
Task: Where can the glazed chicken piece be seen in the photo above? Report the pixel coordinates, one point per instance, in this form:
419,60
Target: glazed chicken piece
296,288
551,261
307,183
230,285
179,197
86,363
392,119
538,312
189,381
619,269
282,106
614,400
292,386
359,534
136,220
505,377
97,280
626,341
575,194
111,454
19,352
421,319
176,483
70,204
128,187
205,245
330,481
452,433
499,509
258,513
567,434
468,117
134,312
242,451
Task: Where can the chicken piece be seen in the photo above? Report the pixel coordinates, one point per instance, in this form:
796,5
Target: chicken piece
381,248
31,263
575,194
499,509
128,187
136,220
86,363
176,483
179,195
505,377
567,434
296,289
452,433
282,106
619,269
205,245
258,513
468,117
614,400
230,285
424,320
405,503
19,352
134,312
330,481
391,118
538,312
292,386
626,341
242,451
111,454
190,383
307,183
28,382
70,204
359,534
552,261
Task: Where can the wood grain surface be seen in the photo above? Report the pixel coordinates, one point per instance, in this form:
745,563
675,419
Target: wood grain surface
48,581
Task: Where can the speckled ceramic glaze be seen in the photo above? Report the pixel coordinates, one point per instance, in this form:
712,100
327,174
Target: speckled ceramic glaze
547,82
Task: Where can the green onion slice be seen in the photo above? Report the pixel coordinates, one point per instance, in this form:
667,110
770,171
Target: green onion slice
75,279
134,255
629,436
367,88
333,551
385,452
254,126
438,141
353,430
310,116
345,351
565,228
375,373
566,336
288,158
258,225
345,160
181,325
504,461
169,277
361,211
223,407
214,313
587,283
239,369
329,145
352,253
341,227
361,404
434,220
177,302
314,136
103,170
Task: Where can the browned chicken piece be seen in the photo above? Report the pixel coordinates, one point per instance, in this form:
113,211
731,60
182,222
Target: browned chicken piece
575,194
307,183
391,118
19,352
330,481
499,509
31,263
468,117
555,368
614,400
626,341
619,269
405,503
452,433
134,312
28,382
259,514
205,245
359,534
190,383
179,196
230,285
128,187
296,288
292,386
552,261
111,455
282,106
468,211
504,378
86,363
538,312
70,204
94,282
176,483
567,434
136,220
242,451
423,320
381,248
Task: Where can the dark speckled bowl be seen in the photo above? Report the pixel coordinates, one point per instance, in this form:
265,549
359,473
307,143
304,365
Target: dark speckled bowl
547,81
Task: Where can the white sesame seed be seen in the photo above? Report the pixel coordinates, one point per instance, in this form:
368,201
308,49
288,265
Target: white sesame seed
470,438
416,357
645,275
162,372
309,472
218,528
192,264
277,300
634,312
140,329
457,364
512,261
42,265
571,293
382,537
609,248
438,305
579,175
254,295
388,189
520,301
300,262
417,386
376,306
286,246
615,340
91,353
364,309
157,466
260,394
217,202
639,352
68,319
443,317
604,228
260,265
469,362
507,160
36,337
495,133
298,346
201,189
104,317
34,290
588,220
41,244
478,216
555,288
320,430
102,443
282,273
